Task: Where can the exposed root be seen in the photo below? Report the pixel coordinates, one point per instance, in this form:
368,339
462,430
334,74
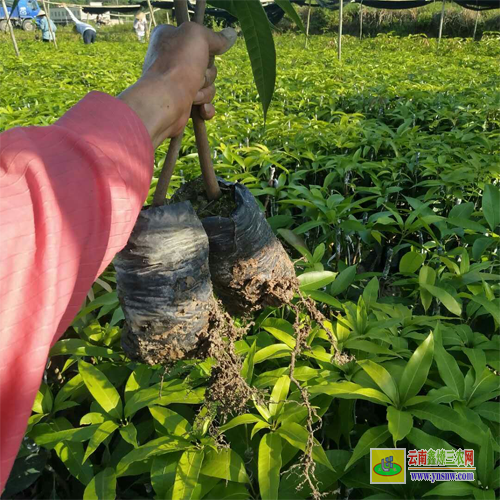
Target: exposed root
227,388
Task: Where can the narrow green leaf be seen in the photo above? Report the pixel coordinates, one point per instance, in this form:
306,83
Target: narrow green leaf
416,370
486,459
446,299
241,420
280,329
171,421
102,486
451,489
101,433
343,280
315,280
372,438
187,473
489,411
269,465
139,379
425,441
491,205
101,389
297,435
225,464
382,378
78,347
129,434
446,419
163,471
477,359
350,390
248,364
291,13
279,394
370,293
399,422
449,371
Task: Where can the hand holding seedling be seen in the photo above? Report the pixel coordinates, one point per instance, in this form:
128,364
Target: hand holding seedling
178,72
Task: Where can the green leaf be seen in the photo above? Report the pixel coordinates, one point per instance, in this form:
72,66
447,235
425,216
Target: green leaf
260,44
225,464
446,419
272,351
45,435
447,300
297,435
258,427
372,438
129,434
350,390
78,347
297,242
101,389
101,433
144,397
480,494
486,459
102,486
399,422
343,280
171,421
370,293
187,473
315,280
489,306
241,420
229,491
159,446
451,489
489,411
449,371
163,470
280,329
491,205
382,378
279,394
416,370
139,379
43,400
291,13
424,441
477,358
248,364
411,262
426,276
269,465
323,297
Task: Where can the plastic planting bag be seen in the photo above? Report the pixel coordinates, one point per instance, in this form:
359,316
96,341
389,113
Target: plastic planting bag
250,269
164,286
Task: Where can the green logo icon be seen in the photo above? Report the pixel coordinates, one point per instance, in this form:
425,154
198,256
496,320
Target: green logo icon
387,468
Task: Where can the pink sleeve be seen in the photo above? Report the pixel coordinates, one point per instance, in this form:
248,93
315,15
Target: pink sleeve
69,197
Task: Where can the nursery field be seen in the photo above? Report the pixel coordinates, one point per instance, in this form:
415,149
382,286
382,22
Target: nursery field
380,176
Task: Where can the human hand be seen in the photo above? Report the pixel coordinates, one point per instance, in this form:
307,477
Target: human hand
178,72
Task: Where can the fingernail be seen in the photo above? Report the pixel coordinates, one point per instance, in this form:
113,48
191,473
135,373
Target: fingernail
230,34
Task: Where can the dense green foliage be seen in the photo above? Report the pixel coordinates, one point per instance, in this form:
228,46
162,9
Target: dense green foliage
386,194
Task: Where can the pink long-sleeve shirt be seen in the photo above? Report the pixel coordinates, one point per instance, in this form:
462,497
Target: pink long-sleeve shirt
70,194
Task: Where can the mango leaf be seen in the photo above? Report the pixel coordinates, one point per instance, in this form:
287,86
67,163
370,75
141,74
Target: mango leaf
78,347
139,379
350,390
248,364
171,421
446,299
187,473
159,446
129,434
426,276
449,371
372,438
280,329
241,420
323,297
272,351
481,494
399,423
424,441
486,459
102,486
163,471
315,280
269,466
101,389
101,433
225,464
260,44
297,435
278,395
490,306
291,13
451,489
491,205
411,262
382,378
477,359
45,435
416,370
229,491
343,280
446,419
489,411
297,242
370,293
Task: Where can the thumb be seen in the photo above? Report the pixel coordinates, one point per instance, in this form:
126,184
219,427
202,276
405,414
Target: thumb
221,42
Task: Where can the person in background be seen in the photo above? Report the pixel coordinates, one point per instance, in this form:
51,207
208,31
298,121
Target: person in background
70,194
44,26
86,30
140,26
